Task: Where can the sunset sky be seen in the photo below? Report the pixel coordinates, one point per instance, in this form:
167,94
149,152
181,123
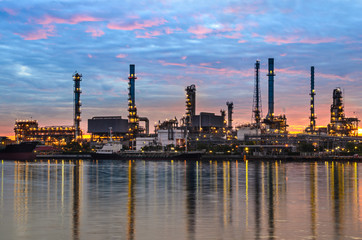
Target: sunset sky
212,44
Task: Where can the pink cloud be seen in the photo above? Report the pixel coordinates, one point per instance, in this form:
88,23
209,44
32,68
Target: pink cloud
148,34
121,55
94,32
90,55
10,11
169,30
164,63
206,70
47,19
233,35
43,33
137,25
296,39
242,41
205,64
306,74
199,31
184,57
283,54
172,30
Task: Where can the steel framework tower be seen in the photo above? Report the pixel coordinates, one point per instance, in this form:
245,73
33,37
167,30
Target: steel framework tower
77,91
257,109
190,103
133,120
271,75
312,94
230,106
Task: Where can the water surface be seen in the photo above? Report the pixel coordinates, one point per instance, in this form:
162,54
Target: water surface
180,200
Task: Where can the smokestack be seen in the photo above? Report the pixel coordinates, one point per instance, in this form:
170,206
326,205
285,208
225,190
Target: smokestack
312,94
271,75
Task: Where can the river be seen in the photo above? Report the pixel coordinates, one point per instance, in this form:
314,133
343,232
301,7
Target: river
75,199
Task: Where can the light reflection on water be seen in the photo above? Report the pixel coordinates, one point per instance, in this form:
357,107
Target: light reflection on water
180,200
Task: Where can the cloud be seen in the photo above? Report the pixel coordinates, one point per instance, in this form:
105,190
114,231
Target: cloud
10,11
297,39
47,19
24,71
148,34
184,57
233,35
164,63
42,33
246,9
121,55
204,69
137,24
200,31
95,32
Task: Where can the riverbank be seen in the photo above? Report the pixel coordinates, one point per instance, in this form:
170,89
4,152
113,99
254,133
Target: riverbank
192,156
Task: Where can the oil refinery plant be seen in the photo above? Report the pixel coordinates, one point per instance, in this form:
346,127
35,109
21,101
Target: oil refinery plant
268,135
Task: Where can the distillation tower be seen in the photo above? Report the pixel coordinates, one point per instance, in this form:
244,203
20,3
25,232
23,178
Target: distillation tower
190,103
312,125
274,124
340,125
230,106
257,97
77,78
133,120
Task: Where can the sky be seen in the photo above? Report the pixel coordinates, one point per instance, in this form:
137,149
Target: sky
212,44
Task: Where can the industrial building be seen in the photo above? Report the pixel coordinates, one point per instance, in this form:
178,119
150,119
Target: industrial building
28,130
204,122
171,132
100,127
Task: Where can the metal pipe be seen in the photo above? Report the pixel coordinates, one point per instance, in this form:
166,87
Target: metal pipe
147,123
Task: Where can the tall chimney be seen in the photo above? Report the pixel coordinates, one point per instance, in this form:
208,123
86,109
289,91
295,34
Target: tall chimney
271,75
312,94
